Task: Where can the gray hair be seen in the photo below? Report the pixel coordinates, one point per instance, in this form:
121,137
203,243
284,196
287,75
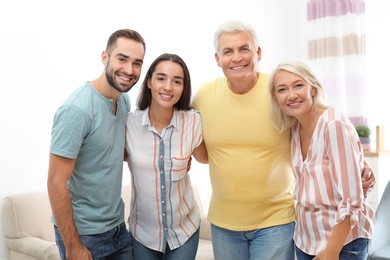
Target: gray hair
234,26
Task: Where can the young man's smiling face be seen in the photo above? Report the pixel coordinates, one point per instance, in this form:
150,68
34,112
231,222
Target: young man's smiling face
124,64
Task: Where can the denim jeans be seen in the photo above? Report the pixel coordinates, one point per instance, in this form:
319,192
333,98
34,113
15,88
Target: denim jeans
356,250
265,243
114,244
184,252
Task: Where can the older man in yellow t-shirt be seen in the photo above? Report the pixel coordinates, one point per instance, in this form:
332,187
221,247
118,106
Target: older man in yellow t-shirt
251,207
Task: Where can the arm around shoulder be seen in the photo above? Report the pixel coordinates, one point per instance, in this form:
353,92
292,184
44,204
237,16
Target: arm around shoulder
368,179
200,153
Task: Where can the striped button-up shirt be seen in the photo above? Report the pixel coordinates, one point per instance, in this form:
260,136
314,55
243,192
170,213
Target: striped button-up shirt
328,183
163,208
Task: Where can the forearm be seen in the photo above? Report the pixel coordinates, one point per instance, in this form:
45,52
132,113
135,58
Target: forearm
62,211
338,236
200,153
60,170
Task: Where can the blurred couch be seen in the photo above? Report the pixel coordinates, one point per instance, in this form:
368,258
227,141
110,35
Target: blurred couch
29,234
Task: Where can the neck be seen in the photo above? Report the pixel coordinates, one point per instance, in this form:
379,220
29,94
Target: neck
239,86
309,121
102,86
160,117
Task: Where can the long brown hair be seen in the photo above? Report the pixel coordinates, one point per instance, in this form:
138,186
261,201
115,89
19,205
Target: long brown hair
145,96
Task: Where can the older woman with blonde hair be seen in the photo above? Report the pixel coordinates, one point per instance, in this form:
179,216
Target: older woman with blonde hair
333,218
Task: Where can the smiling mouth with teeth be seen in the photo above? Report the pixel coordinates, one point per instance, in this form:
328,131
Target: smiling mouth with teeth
237,67
126,78
166,96
295,104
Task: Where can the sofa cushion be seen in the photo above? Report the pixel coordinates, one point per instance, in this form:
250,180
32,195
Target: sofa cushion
381,254
29,233
28,215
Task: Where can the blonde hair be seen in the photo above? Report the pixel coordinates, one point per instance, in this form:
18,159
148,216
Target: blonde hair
280,120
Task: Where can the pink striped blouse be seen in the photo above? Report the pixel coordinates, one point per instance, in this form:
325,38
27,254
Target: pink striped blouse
328,183
163,208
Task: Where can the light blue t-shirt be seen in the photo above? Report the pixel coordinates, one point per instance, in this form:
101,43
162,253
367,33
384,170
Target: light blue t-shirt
86,129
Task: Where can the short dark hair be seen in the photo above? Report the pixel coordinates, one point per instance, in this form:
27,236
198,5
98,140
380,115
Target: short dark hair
145,97
124,33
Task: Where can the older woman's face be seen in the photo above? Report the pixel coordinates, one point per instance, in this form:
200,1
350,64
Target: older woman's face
293,94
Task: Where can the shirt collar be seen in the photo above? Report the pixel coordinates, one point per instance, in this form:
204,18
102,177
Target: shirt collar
174,121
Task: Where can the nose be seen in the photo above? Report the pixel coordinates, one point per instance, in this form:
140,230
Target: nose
237,56
129,68
168,85
292,94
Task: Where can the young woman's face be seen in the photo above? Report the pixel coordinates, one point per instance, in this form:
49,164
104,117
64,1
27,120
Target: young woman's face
166,84
293,94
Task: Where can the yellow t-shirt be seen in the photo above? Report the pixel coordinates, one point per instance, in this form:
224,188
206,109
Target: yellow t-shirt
250,165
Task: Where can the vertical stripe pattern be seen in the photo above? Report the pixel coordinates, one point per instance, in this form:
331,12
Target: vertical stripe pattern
163,209
336,52
328,183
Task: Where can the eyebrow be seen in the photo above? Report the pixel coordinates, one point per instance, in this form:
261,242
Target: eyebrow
164,74
293,83
128,57
239,47
299,81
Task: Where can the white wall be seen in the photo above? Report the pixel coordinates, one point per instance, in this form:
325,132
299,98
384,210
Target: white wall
49,48
378,56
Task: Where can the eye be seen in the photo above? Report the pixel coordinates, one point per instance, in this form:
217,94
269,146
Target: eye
280,90
160,79
178,82
138,64
299,85
226,52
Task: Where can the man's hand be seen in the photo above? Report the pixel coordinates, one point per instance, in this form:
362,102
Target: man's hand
368,179
79,252
189,164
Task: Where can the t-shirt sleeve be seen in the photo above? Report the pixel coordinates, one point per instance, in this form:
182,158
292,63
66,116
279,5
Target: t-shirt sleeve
196,98
198,129
68,132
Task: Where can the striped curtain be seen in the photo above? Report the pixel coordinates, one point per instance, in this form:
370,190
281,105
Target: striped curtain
336,52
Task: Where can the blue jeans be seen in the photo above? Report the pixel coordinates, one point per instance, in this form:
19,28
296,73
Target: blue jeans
356,250
184,252
114,244
265,243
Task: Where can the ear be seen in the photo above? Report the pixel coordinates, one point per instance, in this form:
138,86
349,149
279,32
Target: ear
258,53
217,59
313,91
105,58
149,84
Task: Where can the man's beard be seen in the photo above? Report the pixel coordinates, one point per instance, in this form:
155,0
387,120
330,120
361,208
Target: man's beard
112,83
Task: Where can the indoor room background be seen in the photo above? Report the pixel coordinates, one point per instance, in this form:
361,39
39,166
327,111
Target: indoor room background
50,48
